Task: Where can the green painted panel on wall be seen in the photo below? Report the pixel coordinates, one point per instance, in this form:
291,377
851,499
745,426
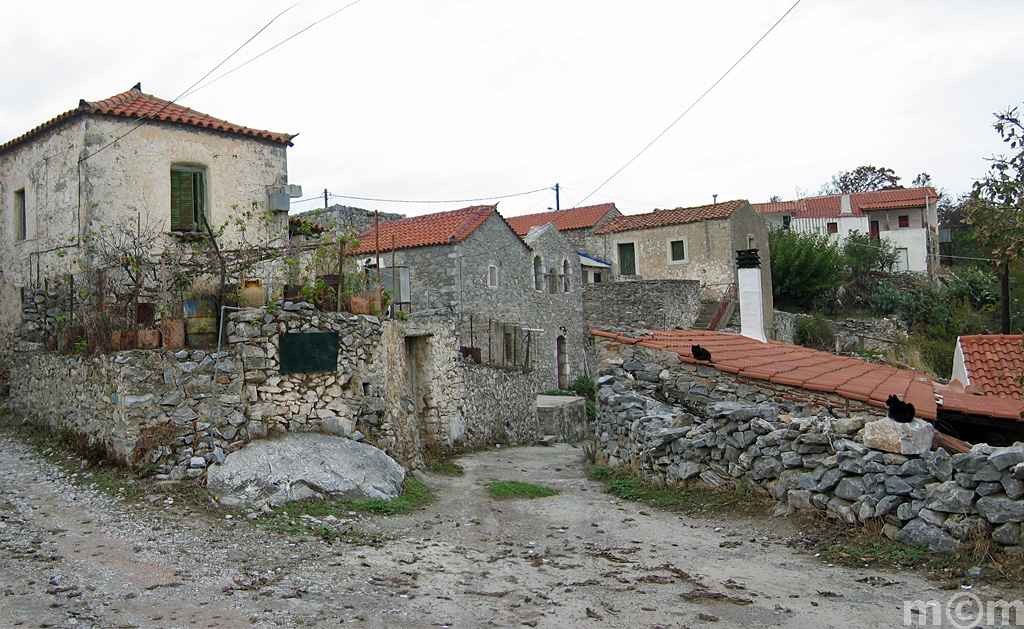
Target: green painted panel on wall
313,351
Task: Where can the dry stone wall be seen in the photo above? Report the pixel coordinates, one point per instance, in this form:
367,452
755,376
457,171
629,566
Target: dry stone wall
808,458
178,412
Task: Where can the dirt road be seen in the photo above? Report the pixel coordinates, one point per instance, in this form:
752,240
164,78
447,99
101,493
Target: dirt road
74,556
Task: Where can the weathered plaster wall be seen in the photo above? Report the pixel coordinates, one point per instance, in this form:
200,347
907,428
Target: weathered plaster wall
710,248
649,304
66,198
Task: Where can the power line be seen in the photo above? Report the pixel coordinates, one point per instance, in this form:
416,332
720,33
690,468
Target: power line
503,196
147,117
282,42
708,91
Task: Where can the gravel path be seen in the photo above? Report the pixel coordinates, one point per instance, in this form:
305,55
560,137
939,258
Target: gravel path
75,556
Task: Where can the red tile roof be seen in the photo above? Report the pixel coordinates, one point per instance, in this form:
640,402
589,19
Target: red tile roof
430,229
135,104
806,368
831,205
992,362
572,218
678,216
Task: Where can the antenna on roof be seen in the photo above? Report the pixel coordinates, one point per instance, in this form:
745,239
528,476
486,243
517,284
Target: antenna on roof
714,198
557,206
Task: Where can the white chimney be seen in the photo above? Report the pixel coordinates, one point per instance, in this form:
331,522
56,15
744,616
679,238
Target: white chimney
844,205
748,267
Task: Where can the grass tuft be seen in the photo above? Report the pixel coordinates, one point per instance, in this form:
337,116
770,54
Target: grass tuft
502,489
305,516
629,486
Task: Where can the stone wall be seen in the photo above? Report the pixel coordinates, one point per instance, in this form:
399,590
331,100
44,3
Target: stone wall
661,373
860,336
402,385
808,459
156,408
649,304
500,405
346,219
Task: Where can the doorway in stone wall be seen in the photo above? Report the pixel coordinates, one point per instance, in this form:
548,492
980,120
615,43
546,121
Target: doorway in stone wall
562,357
417,363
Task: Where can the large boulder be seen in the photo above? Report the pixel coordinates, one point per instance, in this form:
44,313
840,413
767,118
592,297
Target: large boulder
914,437
298,466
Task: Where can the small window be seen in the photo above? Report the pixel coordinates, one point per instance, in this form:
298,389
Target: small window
677,250
492,276
597,277
904,221
565,276
538,274
20,219
833,228
188,200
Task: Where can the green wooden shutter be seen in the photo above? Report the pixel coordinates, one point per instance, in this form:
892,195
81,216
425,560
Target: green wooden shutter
176,176
627,259
199,201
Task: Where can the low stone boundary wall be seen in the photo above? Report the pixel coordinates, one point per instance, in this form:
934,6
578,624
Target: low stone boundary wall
148,407
177,412
816,462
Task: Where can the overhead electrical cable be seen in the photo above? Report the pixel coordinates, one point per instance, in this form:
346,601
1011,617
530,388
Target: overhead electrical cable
282,42
502,196
708,91
143,120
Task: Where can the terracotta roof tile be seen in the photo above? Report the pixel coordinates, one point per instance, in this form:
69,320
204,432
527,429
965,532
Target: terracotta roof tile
678,216
135,104
572,218
982,405
430,229
831,206
849,377
992,362
796,366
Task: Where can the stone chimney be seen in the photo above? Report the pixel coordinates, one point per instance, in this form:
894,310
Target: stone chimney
748,266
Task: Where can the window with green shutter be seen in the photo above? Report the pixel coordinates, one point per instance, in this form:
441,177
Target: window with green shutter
627,259
188,200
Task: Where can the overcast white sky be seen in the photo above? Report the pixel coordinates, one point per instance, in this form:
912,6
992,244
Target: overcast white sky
459,99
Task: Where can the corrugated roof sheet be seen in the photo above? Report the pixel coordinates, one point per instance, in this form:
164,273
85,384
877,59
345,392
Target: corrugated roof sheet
430,229
136,104
572,218
678,216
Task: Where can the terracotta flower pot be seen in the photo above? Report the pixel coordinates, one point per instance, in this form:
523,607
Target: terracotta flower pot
148,339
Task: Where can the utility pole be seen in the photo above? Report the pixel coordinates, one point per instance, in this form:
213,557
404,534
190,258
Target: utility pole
325,198
557,207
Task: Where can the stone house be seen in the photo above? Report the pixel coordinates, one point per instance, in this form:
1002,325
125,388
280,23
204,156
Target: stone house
129,158
697,243
578,225
907,217
516,300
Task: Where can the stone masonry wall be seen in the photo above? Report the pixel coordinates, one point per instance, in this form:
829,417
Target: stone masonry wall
809,460
178,412
650,304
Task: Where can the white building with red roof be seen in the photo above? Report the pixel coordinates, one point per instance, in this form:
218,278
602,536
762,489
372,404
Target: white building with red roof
906,217
133,157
